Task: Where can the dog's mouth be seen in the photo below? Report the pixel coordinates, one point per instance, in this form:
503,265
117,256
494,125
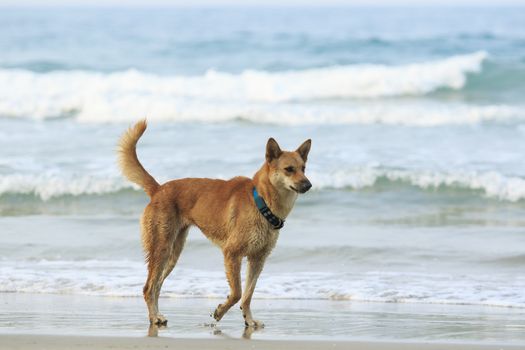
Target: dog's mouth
301,189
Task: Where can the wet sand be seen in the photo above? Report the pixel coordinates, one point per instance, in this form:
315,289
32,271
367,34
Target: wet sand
36,321
29,342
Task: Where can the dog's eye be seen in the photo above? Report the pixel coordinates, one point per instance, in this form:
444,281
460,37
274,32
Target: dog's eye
290,169
303,168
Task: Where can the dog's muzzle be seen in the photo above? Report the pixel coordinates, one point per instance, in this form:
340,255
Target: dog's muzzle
304,186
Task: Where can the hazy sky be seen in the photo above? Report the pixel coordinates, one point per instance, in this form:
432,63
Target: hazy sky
260,2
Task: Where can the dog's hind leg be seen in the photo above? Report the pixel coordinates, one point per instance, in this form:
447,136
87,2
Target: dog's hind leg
178,245
153,284
232,264
159,249
255,266
176,249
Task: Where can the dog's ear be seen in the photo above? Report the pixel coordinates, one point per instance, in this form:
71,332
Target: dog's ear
304,149
273,151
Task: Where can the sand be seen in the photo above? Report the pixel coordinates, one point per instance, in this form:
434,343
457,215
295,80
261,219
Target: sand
29,342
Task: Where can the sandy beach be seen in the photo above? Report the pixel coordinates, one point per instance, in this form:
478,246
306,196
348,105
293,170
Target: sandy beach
29,342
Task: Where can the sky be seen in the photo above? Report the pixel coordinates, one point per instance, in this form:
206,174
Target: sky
261,2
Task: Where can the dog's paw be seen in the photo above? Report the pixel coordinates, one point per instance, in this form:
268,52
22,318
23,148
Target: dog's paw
217,314
253,324
159,320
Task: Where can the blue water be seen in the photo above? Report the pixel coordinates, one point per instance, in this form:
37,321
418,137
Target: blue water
416,115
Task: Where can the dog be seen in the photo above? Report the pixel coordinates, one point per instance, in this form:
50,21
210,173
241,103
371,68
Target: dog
242,216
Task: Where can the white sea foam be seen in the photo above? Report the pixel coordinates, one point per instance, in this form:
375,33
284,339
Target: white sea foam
422,114
46,187
125,278
489,184
216,96
492,184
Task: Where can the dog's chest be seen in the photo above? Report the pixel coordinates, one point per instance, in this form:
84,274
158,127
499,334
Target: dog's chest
263,241
264,238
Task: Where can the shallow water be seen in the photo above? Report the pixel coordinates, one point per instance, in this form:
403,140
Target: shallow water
284,319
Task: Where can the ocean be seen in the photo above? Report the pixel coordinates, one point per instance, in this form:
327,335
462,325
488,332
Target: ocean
416,115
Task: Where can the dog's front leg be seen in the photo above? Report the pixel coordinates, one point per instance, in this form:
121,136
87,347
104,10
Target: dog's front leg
232,264
255,266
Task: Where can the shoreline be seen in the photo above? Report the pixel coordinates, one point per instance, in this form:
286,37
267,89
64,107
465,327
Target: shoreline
59,342
307,321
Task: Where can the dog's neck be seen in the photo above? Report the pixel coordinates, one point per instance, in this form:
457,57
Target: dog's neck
280,201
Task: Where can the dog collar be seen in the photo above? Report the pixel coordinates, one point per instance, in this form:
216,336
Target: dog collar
275,221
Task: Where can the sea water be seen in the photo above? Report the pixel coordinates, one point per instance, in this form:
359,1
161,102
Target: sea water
418,158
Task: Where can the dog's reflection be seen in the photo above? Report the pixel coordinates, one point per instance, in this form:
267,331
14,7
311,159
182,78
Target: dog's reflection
248,331
153,331
246,334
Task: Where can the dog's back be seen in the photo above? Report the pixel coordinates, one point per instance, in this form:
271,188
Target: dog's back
213,205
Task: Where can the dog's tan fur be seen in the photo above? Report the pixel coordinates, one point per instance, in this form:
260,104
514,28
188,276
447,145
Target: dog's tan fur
224,211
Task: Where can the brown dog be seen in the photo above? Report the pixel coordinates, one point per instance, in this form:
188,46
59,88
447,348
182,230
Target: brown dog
225,211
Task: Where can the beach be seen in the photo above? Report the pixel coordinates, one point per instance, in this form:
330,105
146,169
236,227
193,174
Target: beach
62,321
78,342
411,237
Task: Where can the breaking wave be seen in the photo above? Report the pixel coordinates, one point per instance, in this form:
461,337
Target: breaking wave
46,187
489,184
219,96
486,184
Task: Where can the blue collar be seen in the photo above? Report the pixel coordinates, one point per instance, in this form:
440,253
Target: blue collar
275,221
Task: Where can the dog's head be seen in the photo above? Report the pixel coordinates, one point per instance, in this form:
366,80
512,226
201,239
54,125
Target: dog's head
286,169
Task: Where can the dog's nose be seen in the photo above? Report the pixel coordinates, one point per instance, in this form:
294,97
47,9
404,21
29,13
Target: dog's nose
305,186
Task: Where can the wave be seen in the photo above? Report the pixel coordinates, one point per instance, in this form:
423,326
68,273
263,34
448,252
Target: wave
420,114
400,113
125,279
91,96
407,113
46,187
489,184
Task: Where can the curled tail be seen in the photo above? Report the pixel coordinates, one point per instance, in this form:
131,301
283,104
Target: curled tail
129,163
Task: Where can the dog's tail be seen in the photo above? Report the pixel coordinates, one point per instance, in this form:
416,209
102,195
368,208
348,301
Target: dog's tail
129,163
